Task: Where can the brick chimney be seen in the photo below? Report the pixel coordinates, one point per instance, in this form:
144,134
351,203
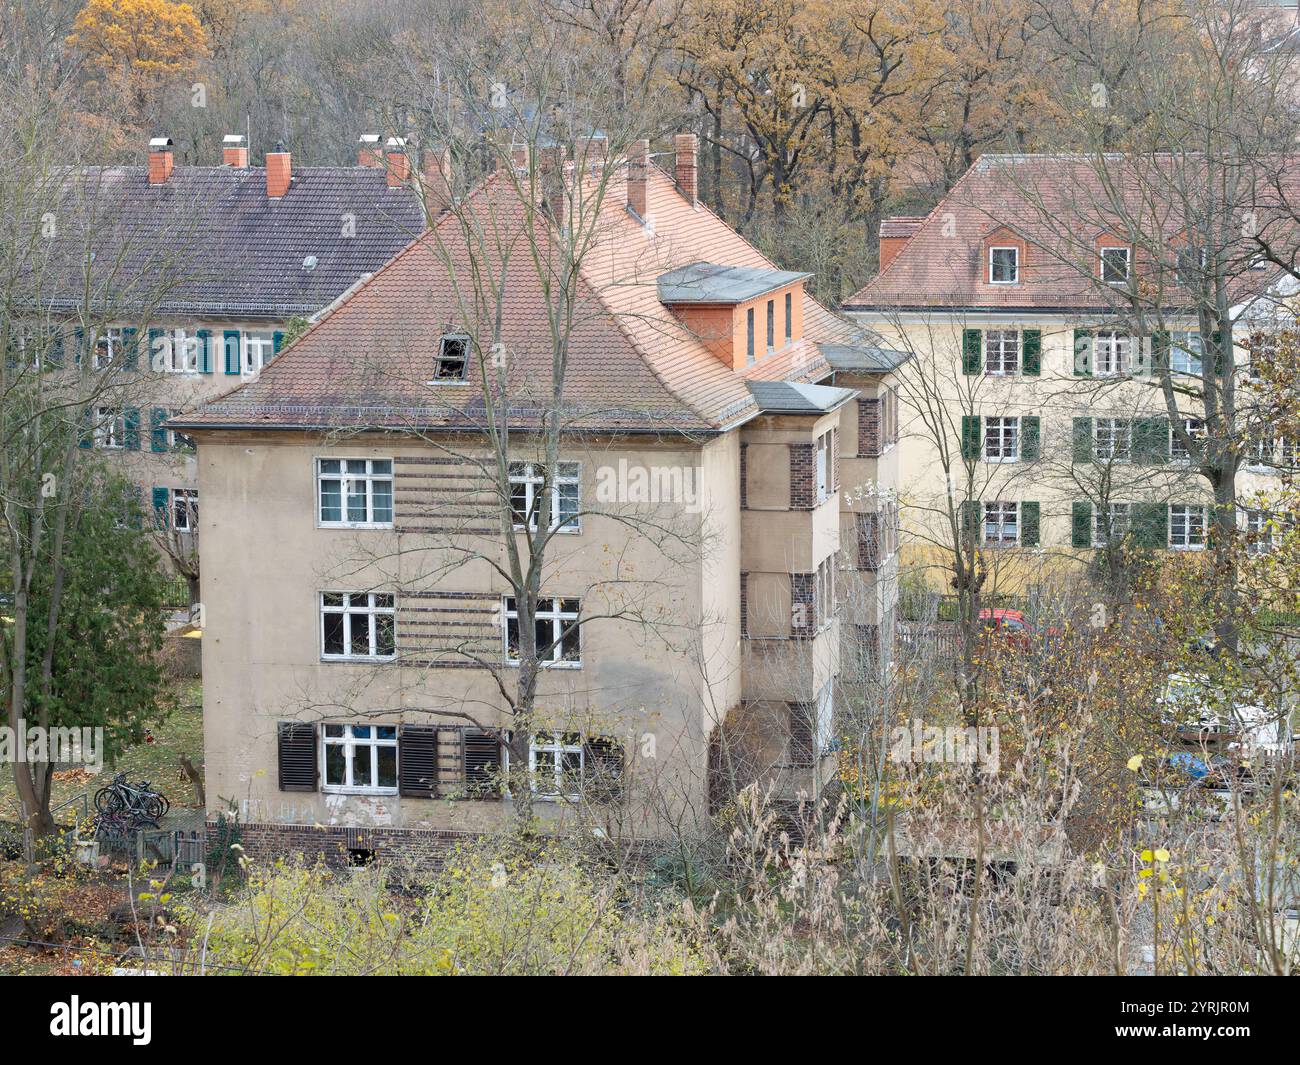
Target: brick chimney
685,148
591,152
160,160
894,234
519,154
638,177
369,151
234,151
550,169
397,162
435,180
279,172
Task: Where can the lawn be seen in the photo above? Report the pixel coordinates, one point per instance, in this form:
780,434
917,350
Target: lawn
157,762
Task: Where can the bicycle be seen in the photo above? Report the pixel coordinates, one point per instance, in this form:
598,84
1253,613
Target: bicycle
139,800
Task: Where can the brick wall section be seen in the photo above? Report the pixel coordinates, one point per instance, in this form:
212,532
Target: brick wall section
868,541
870,437
835,461
803,477
803,604
264,841
744,476
744,603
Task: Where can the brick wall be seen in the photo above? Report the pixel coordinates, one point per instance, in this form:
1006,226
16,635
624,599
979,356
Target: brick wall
744,476
264,841
803,477
803,604
870,436
868,540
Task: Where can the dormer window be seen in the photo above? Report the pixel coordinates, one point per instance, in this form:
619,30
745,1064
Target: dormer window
1004,266
453,357
1115,265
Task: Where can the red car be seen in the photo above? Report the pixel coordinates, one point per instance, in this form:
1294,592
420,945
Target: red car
1012,625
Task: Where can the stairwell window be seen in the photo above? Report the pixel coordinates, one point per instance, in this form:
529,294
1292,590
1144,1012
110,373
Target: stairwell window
1113,439
1002,352
1187,526
1001,439
556,627
453,358
355,493
1004,266
1115,263
1110,524
1111,353
359,758
358,625
526,483
1001,524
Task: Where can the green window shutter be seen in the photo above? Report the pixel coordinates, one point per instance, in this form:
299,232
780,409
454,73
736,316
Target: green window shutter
87,436
1029,521
1030,438
131,422
156,361
1081,523
1083,444
161,508
157,434
137,512
1151,441
276,340
1151,525
970,437
205,350
1082,353
130,350
970,521
230,341
972,351
1159,351
1031,342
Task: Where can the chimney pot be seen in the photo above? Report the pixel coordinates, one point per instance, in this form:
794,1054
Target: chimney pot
370,151
685,149
397,162
160,160
234,151
279,172
638,177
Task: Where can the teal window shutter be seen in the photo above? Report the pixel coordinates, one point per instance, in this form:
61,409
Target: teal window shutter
1031,343
87,429
1083,444
156,360
1151,441
276,340
230,339
1082,353
131,422
1029,521
157,434
205,350
970,521
1030,438
1081,523
970,437
137,518
972,351
130,350
161,503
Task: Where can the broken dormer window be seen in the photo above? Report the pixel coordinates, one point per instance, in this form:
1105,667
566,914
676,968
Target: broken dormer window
453,357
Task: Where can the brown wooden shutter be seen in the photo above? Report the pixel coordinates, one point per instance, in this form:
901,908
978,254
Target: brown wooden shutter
603,765
417,761
298,762
481,753
801,734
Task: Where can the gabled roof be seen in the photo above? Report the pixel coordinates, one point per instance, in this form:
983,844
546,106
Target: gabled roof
633,365
209,241
713,283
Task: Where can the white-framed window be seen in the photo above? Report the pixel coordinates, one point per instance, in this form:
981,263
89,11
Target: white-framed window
1259,532
1112,353
1189,266
1260,452
555,765
1179,451
182,351
526,481
1115,265
453,357
357,625
1002,352
557,632
257,348
1001,439
1112,439
108,346
110,428
355,492
185,509
1185,352
824,719
177,441
359,758
1004,265
823,471
1290,452
824,591
1001,523
1111,523
1187,526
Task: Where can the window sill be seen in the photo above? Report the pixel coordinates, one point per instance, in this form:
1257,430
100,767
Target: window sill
1001,373
560,530
514,664
366,659
1186,547
354,525
446,381
1001,462
339,789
